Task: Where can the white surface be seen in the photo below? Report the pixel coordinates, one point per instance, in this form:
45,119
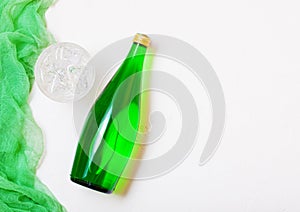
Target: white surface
254,47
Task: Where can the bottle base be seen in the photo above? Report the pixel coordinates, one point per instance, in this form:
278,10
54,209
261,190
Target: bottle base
91,186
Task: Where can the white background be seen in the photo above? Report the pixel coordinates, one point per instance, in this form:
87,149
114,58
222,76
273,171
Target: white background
254,47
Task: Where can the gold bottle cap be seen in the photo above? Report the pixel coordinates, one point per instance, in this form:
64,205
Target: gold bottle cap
142,39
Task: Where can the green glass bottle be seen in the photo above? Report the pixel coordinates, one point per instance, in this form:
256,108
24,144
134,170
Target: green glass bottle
111,127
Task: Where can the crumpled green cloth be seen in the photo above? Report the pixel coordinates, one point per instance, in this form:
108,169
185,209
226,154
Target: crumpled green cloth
23,35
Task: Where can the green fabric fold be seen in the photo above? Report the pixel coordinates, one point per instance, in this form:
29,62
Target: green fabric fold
23,35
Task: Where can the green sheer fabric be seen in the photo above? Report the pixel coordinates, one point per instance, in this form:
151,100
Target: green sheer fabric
23,35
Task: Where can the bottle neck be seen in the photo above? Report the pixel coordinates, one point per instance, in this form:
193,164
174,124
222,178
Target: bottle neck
137,50
133,62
